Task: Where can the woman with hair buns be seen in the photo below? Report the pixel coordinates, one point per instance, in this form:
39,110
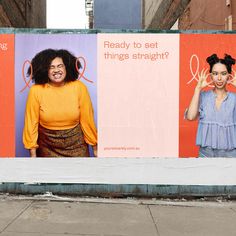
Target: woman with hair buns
215,108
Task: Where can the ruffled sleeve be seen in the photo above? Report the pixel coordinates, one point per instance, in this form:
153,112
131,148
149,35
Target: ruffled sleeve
201,104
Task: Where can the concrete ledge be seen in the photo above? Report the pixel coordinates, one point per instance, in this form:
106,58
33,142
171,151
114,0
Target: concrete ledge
116,31
122,190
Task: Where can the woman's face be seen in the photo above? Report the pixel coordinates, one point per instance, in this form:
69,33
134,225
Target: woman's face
219,75
57,72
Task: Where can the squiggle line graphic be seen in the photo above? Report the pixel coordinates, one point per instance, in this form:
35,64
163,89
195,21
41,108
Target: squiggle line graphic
27,83
194,75
81,74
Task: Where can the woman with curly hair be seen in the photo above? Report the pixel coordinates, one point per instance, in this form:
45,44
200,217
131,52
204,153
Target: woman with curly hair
216,109
59,119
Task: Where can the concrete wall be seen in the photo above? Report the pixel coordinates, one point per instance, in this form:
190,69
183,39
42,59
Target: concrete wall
23,13
4,21
162,14
148,171
36,14
150,8
113,14
208,15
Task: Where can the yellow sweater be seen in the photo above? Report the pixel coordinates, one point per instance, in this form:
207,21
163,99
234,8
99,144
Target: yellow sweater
58,108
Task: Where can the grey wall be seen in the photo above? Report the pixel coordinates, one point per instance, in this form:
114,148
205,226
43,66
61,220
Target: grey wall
117,14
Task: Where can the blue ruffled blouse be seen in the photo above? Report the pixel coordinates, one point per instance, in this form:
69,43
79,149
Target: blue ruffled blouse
217,127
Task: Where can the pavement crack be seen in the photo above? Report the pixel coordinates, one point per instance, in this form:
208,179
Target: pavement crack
233,209
158,234
17,216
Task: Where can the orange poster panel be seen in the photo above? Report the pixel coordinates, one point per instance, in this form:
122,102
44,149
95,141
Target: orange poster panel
7,120
194,49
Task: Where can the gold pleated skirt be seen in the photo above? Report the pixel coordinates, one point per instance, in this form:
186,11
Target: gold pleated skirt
62,143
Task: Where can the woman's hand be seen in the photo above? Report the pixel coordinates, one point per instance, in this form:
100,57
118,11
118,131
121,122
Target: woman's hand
95,152
193,109
233,80
202,79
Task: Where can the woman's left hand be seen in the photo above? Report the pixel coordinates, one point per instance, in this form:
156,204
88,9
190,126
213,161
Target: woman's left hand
95,152
233,80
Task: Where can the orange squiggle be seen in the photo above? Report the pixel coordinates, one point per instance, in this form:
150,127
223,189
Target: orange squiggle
24,77
81,74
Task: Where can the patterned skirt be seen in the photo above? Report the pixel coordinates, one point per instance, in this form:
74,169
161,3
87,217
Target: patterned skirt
61,143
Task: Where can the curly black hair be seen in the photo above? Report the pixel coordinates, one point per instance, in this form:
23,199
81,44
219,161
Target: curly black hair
42,61
228,61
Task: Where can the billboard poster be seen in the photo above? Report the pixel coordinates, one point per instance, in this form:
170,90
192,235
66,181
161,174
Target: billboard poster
7,108
82,46
194,50
138,94
122,94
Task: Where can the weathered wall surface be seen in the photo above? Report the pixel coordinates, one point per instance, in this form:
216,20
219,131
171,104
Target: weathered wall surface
209,15
162,14
23,13
113,14
4,21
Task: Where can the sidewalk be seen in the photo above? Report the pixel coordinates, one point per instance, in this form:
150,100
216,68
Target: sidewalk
50,215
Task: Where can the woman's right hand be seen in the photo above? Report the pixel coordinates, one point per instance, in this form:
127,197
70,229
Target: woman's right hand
193,109
202,79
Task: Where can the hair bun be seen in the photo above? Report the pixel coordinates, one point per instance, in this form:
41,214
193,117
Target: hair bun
213,59
229,60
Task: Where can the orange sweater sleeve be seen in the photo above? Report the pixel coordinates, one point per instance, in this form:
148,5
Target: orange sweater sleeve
87,116
30,132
